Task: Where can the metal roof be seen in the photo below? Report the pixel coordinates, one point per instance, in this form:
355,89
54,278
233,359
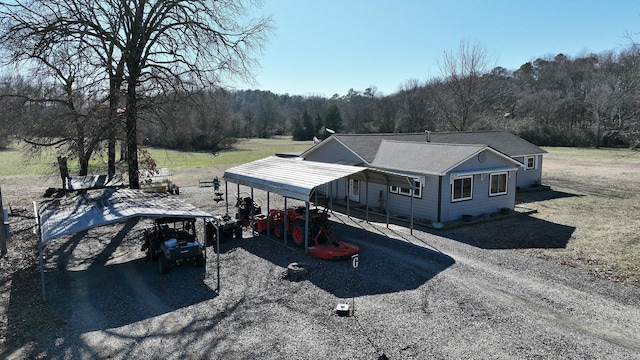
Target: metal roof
67,216
296,178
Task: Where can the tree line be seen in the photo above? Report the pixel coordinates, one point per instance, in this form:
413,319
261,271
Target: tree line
586,101
90,79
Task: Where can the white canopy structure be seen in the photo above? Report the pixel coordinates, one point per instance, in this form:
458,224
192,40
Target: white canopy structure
70,215
296,178
65,216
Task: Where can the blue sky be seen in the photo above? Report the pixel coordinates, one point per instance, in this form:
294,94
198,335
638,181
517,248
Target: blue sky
325,47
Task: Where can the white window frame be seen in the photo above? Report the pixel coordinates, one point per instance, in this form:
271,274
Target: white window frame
526,162
406,191
506,183
453,184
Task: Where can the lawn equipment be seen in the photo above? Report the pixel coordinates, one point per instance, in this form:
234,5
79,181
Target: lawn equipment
173,241
229,228
247,209
322,243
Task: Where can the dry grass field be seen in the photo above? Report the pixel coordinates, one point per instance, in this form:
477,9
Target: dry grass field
589,219
473,301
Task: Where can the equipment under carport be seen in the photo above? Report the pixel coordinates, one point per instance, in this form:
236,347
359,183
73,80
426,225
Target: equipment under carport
228,229
173,241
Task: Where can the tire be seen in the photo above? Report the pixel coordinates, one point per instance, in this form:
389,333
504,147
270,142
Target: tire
163,264
278,230
297,233
200,260
209,234
152,251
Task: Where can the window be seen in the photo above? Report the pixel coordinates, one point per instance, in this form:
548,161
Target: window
461,189
417,192
530,162
498,184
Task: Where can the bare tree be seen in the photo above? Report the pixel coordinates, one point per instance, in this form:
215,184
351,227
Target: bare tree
462,72
155,45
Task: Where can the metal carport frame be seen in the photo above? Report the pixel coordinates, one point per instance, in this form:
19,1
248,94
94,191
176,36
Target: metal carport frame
65,216
297,178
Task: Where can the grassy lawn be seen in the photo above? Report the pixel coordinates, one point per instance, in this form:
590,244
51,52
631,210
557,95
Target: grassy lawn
589,219
14,161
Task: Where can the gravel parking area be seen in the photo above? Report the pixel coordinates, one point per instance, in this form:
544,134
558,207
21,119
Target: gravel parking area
414,296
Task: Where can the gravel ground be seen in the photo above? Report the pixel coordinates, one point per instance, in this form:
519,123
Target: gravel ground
415,296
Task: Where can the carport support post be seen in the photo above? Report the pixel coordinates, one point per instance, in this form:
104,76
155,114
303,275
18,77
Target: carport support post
226,197
366,201
40,250
253,213
3,235
413,192
285,221
218,252
346,191
330,196
306,226
387,206
268,213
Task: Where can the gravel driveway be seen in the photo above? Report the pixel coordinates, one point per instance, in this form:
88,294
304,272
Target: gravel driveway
419,296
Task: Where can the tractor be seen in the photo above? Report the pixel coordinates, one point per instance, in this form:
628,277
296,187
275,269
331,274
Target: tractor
322,243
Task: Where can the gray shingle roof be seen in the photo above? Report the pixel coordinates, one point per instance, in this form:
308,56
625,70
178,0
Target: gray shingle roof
441,157
366,145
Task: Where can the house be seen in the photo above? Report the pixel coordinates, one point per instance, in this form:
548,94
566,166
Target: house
450,180
528,154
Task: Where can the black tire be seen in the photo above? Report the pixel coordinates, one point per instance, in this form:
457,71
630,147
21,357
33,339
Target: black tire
209,234
152,252
163,264
200,260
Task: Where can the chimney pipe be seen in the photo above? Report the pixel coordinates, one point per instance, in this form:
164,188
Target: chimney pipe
428,135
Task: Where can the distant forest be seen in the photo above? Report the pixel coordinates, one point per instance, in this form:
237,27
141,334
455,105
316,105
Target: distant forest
591,100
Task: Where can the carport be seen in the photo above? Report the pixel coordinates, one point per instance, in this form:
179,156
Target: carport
70,215
298,179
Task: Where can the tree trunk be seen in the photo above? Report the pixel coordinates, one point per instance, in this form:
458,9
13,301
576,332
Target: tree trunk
64,170
132,136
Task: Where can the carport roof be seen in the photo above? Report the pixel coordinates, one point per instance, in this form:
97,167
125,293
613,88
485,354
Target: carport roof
296,178
67,216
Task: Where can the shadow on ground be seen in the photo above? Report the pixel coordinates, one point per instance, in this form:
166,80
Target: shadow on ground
517,232
386,265
105,295
527,196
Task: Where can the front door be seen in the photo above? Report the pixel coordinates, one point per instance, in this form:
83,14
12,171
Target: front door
354,190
